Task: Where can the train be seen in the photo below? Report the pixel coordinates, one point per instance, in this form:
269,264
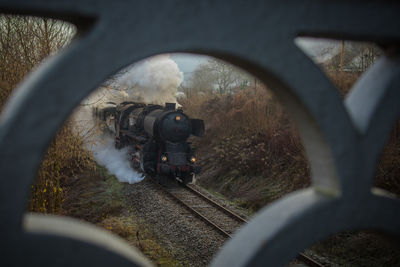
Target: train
157,137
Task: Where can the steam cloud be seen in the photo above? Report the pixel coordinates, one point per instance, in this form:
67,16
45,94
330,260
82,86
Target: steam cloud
154,80
116,161
102,147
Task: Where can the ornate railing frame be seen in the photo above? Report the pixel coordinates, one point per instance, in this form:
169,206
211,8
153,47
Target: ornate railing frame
343,140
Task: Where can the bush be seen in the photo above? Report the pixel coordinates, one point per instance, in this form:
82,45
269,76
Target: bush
25,43
252,151
248,131
65,157
249,146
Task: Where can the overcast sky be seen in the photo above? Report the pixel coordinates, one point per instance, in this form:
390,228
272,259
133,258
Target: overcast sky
187,63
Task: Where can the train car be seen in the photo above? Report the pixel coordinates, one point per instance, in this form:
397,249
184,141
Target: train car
157,138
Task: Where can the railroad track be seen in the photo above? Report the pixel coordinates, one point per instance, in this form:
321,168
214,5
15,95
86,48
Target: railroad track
217,216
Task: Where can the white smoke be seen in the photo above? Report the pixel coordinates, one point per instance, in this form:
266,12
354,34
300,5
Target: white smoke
100,143
154,80
106,94
115,161
102,146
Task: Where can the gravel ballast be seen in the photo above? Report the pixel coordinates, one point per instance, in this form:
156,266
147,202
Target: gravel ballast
189,239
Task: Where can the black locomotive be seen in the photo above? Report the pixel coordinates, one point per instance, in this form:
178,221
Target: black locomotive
157,138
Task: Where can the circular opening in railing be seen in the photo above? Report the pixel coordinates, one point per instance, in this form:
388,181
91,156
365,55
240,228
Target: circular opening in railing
342,61
25,42
181,119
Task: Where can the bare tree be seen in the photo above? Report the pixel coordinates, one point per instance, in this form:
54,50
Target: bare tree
24,43
216,74
356,56
224,75
201,80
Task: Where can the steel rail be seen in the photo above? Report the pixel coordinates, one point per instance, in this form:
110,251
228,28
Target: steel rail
306,259
301,256
215,204
195,212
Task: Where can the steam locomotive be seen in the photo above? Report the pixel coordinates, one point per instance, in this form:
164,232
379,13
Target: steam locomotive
156,136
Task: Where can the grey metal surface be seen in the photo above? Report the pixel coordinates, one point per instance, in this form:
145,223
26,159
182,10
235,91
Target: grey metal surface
343,140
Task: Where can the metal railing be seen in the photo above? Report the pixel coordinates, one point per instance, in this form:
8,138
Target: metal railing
343,140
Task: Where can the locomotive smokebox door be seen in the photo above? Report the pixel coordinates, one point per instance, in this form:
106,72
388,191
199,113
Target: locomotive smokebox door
197,127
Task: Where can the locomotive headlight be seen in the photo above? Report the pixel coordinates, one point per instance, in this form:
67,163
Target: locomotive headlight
163,158
192,159
177,118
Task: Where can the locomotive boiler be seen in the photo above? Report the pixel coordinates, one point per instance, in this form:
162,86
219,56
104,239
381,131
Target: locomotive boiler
157,138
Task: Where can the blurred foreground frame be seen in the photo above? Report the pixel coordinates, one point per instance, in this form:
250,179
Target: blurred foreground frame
343,140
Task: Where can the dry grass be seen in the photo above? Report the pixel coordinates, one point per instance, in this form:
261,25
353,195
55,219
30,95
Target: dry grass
65,157
97,197
92,195
361,248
